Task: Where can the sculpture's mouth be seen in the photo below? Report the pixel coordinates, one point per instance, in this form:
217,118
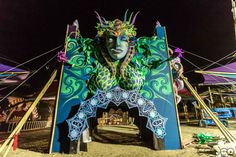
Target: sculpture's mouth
117,51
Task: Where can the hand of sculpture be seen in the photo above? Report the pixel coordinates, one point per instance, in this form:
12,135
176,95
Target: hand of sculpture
61,57
158,24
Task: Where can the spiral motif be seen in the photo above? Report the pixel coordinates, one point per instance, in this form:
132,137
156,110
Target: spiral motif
147,93
72,47
161,45
78,60
161,85
68,86
88,69
104,77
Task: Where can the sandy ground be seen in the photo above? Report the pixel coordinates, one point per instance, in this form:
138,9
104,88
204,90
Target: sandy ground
116,141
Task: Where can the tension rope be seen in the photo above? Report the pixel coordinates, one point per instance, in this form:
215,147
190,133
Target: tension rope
9,60
212,63
36,57
230,55
27,78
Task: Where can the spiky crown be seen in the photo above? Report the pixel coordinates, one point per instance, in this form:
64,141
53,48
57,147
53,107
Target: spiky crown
116,27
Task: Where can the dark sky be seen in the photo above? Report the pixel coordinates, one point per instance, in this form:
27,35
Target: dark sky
31,27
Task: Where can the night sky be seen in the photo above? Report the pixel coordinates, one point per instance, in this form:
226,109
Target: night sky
31,27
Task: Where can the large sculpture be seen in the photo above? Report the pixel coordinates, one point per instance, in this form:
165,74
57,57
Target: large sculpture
117,68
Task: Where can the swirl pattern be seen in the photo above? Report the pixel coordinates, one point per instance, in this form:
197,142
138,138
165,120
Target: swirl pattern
146,83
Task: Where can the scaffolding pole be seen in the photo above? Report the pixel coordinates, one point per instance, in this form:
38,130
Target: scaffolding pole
18,128
229,137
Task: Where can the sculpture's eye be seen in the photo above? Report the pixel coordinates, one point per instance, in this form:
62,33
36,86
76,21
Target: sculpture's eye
110,40
124,38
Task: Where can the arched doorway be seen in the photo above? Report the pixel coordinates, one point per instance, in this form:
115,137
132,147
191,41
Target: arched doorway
117,97
123,126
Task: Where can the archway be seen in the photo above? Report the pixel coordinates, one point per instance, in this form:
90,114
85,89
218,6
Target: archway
123,126
78,123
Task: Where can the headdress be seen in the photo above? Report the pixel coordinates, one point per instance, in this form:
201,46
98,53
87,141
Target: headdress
116,27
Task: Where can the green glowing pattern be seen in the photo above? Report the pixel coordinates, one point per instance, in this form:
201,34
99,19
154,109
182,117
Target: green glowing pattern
88,72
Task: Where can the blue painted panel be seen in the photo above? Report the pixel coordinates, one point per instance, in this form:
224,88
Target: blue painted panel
157,88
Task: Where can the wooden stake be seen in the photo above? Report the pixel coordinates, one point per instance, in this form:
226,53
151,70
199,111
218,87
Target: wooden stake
27,114
222,128
54,119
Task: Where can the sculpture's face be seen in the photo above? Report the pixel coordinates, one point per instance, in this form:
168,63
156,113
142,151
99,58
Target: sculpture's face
117,46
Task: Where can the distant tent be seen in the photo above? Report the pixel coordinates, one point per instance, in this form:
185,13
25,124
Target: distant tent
224,75
11,75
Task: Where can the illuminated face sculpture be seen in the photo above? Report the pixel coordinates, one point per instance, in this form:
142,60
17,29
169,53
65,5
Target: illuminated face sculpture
117,34
117,47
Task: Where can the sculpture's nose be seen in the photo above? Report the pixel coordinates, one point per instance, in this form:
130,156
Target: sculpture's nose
118,42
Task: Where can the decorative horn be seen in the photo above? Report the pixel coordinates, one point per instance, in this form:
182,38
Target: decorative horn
99,18
130,17
104,20
126,15
134,18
